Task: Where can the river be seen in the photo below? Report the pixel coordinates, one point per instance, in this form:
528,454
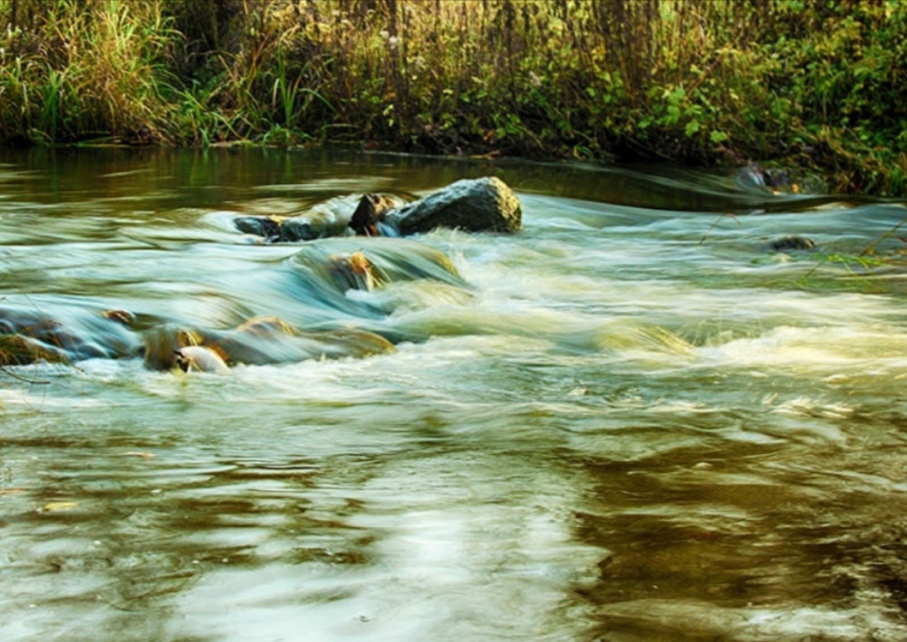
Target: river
632,421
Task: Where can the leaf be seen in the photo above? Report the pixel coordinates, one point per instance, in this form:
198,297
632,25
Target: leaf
718,137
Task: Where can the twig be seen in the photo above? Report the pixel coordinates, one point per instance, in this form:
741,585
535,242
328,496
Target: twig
712,226
872,248
7,372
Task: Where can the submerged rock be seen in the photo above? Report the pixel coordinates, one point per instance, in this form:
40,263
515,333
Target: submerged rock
478,205
789,243
64,334
18,350
355,271
258,341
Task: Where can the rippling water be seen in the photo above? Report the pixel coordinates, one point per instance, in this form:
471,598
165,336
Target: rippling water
632,421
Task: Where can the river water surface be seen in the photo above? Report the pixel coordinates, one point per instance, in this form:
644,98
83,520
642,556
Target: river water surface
631,421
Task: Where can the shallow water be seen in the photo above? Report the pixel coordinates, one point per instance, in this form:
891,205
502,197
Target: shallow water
631,421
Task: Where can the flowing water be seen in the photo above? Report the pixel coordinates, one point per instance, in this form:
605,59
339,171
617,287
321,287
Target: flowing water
631,421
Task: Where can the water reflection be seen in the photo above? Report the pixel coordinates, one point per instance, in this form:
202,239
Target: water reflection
631,421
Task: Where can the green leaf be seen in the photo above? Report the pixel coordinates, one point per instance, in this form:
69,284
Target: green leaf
718,137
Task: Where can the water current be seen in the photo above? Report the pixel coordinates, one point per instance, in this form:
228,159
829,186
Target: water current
631,421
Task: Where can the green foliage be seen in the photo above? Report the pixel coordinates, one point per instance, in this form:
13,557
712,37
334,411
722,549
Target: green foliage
808,82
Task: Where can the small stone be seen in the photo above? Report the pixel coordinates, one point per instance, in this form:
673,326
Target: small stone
789,243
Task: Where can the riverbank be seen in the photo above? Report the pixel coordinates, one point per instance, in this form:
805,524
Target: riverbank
809,86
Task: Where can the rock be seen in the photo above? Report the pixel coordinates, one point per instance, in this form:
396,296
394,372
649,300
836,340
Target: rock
162,343
18,350
299,229
789,243
774,180
266,327
478,205
355,272
63,334
754,176
264,226
200,359
313,225
123,317
370,214
352,342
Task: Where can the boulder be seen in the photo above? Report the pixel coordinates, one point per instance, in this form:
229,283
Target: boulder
477,205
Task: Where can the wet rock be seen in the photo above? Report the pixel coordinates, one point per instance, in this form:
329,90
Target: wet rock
200,359
755,176
18,350
792,243
369,214
289,230
352,342
776,180
477,205
123,317
269,326
258,341
162,343
355,271
328,269
263,226
75,335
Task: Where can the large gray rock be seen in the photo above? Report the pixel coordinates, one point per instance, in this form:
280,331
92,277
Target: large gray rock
478,205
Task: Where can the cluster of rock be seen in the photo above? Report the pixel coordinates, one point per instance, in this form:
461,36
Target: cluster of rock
480,205
32,337
476,205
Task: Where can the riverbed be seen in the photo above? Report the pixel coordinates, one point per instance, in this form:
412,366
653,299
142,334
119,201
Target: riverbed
631,421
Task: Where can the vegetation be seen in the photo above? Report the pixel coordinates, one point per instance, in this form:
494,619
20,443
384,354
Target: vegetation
816,84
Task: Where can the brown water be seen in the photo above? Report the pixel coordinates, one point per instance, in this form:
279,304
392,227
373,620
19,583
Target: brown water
631,421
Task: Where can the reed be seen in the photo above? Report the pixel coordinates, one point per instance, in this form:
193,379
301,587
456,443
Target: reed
812,83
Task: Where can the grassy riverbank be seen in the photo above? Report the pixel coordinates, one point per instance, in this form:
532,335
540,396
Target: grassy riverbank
818,86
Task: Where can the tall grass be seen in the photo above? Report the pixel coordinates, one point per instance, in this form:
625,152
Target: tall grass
809,82
83,69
